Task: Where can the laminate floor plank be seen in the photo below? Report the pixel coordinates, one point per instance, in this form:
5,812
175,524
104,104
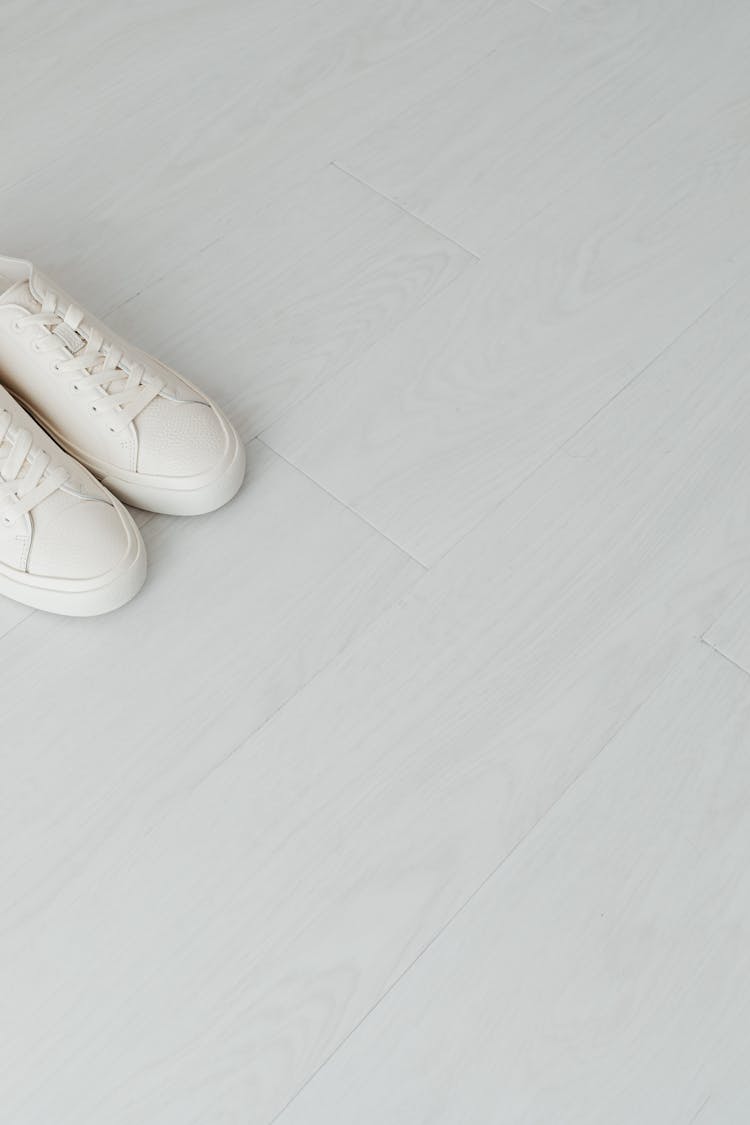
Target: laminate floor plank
430,429
603,972
493,148
11,615
240,610
192,936
260,824
328,269
128,58
225,121
730,635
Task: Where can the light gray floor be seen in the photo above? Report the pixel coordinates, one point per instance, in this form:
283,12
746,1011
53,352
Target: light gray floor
415,787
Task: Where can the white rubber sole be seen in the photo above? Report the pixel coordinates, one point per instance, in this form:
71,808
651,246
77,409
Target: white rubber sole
169,496
82,598
180,496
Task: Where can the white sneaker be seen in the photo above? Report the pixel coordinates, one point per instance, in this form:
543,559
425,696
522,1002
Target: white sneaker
66,545
149,435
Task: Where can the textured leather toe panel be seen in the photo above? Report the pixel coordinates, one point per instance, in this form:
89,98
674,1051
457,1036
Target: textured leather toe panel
75,538
178,438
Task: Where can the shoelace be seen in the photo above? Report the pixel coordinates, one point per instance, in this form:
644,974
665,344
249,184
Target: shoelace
22,491
130,388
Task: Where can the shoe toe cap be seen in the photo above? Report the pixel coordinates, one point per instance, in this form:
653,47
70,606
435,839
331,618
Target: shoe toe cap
179,439
75,538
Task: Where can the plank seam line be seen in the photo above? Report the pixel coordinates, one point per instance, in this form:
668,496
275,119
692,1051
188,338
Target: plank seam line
404,210
341,503
723,656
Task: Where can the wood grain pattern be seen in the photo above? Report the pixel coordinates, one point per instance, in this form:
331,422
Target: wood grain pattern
255,911
563,101
276,96
432,428
132,60
301,783
603,971
328,269
166,697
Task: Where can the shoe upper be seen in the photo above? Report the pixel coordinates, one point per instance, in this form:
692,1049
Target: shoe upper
113,406
56,521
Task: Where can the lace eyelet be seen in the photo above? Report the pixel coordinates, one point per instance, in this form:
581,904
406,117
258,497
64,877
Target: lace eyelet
93,410
7,521
57,367
75,387
17,326
35,346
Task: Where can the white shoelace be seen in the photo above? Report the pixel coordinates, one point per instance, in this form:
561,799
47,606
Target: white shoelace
21,491
98,363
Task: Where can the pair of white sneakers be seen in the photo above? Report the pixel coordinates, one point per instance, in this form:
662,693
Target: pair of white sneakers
90,422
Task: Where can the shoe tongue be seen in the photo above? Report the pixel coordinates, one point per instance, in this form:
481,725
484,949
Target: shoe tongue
20,294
